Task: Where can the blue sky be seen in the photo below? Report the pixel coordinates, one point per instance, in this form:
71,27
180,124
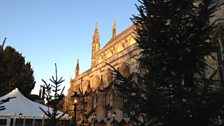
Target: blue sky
60,31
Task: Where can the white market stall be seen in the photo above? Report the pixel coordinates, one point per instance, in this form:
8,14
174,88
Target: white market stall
22,111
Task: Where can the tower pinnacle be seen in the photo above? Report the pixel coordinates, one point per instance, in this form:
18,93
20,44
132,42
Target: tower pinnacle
77,69
96,30
96,36
95,44
114,29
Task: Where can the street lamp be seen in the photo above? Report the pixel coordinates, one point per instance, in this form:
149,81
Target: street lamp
114,114
20,115
75,98
94,119
114,121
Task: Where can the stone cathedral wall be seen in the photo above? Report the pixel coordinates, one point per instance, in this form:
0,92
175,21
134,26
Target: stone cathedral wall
120,52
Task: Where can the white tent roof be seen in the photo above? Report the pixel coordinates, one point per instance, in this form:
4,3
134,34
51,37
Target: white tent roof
21,104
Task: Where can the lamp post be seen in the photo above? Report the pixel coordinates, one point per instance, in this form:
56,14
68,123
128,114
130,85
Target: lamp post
114,114
114,121
75,98
75,106
94,119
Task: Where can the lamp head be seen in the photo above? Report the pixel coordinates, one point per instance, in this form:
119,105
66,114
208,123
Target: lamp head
114,114
94,115
75,98
20,115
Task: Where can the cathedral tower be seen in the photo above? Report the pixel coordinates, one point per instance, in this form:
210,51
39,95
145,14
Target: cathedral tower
95,45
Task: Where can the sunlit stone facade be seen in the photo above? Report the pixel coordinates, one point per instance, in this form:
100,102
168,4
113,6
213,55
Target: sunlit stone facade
121,52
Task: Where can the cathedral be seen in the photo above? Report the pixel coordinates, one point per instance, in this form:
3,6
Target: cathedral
103,103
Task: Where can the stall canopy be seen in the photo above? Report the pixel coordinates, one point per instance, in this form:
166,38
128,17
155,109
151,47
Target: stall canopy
21,104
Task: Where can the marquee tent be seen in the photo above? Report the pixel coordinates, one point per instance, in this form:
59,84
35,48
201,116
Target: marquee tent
21,104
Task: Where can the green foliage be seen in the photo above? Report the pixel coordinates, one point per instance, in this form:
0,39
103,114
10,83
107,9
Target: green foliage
15,72
53,96
174,86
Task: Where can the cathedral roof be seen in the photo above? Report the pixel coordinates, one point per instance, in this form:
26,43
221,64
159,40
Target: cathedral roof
112,40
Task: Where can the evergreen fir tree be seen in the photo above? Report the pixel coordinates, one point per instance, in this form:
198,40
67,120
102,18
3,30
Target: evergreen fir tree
53,96
14,71
174,87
